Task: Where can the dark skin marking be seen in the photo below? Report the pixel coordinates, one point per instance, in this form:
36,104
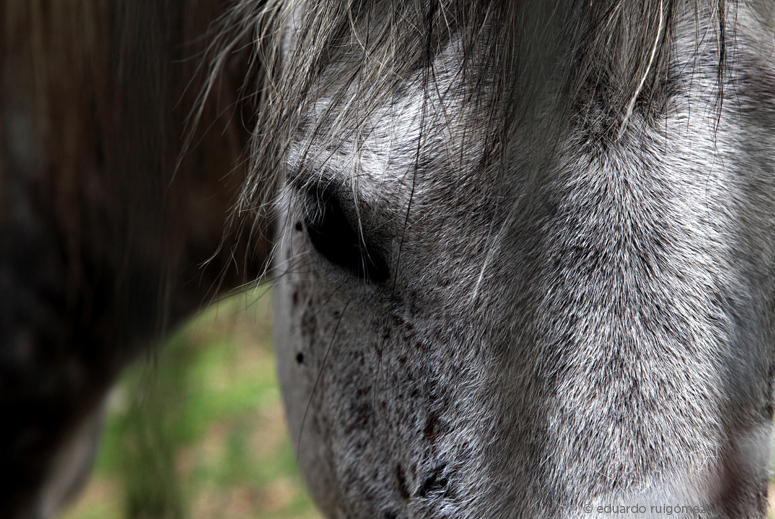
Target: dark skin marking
309,324
403,490
435,483
362,416
431,427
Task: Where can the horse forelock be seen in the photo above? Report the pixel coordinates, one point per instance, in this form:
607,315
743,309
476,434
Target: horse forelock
565,63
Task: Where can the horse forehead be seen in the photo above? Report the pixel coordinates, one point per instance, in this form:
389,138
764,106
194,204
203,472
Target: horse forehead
419,128
428,125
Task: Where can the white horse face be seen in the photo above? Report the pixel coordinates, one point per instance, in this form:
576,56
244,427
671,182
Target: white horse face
540,330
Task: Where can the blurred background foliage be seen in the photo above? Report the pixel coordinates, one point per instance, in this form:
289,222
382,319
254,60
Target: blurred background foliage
196,429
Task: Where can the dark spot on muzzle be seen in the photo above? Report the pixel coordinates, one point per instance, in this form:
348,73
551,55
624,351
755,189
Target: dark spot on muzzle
403,490
431,427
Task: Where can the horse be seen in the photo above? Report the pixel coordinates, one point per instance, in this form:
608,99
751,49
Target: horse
525,252
106,222
523,258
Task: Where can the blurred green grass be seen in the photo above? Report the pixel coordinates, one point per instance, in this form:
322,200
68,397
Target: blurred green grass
196,429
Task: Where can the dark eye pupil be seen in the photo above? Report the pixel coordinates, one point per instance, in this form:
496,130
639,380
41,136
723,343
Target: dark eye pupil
335,238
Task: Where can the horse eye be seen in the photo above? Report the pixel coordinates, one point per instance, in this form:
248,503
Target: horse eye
339,240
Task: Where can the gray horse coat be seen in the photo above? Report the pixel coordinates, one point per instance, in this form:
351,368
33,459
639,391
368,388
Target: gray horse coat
525,258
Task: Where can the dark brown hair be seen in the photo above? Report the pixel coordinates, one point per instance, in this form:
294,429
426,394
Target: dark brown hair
106,225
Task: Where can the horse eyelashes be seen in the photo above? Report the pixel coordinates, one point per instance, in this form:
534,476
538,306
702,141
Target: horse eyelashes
337,238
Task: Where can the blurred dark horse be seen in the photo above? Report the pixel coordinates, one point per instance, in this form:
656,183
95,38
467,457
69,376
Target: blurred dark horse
104,228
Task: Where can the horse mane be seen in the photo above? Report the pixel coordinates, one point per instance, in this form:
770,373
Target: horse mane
606,61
